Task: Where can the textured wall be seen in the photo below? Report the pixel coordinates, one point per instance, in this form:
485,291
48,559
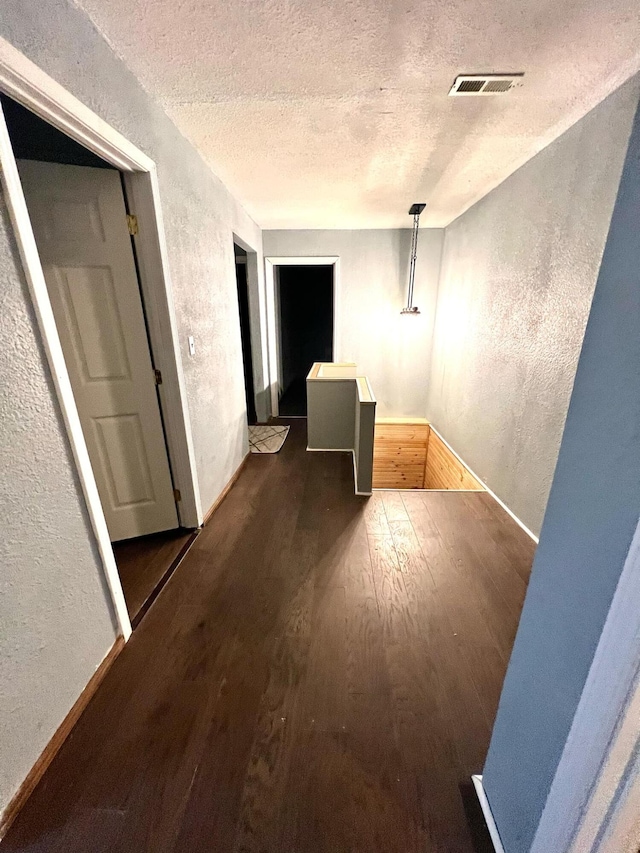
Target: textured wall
588,527
518,273
56,622
200,218
393,351
335,114
58,625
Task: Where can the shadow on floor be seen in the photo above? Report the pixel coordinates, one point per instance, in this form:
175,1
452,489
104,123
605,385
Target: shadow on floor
480,837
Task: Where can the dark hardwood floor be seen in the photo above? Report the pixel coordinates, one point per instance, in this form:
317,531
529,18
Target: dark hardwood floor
321,673
144,564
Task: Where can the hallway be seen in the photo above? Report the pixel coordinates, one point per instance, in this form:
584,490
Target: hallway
321,673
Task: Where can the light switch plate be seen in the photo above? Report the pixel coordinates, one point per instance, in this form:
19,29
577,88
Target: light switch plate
192,345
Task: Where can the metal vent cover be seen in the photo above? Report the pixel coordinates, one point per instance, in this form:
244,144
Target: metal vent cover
485,84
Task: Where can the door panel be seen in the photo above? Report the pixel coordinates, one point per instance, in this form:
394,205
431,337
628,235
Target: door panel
91,312
79,221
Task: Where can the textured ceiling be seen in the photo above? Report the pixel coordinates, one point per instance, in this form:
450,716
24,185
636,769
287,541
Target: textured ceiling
335,114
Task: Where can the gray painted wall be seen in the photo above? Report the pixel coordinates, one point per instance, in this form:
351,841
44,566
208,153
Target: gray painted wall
58,625
363,450
392,351
331,414
56,622
592,514
338,420
517,279
200,219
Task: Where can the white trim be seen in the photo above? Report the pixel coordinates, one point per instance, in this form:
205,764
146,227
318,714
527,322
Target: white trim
365,394
485,487
272,334
316,373
25,82
272,321
488,814
330,449
22,80
44,314
407,421
428,491
306,261
256,292
611,822
143,194
600,711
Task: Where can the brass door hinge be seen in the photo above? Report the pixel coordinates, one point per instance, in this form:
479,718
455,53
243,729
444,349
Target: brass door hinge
158,376
132,223
177,496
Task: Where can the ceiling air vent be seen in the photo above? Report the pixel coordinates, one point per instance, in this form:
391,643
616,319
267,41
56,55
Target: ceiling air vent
485,84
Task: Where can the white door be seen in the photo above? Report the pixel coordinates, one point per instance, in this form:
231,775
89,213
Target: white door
80,225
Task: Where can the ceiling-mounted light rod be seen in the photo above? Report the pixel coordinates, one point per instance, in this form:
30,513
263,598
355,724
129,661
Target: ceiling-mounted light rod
415,210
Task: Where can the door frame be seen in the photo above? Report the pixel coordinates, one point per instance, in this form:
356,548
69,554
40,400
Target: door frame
270,264
600,763
23,81
257,324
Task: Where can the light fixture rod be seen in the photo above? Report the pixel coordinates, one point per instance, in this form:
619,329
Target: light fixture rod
412,264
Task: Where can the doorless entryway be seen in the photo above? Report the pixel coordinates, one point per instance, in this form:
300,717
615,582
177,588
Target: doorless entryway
273,268
305,327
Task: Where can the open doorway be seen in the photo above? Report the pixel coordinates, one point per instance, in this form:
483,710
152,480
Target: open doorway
304,311
83,231
242,280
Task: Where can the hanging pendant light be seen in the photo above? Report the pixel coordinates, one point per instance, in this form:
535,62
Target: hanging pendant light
415,210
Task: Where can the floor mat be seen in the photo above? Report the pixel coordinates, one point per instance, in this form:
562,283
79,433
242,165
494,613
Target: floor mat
267,439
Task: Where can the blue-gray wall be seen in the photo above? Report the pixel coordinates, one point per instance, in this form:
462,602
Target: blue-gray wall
591,516
391,350
517,278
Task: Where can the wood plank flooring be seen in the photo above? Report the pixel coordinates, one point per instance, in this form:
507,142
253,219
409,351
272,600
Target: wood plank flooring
321,673
143,564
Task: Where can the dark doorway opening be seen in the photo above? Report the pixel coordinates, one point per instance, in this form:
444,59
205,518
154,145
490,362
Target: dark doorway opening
305,295
245,331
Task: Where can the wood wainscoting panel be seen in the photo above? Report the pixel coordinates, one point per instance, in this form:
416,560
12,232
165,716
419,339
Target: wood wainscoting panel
400,455
444,470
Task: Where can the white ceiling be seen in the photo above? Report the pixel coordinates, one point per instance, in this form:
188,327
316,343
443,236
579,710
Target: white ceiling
335,114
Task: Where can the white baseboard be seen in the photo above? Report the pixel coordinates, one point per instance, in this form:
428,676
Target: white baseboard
486,488
488,815
429,491
330,449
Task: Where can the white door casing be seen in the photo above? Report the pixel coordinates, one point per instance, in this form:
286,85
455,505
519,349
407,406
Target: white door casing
79,222
272,312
